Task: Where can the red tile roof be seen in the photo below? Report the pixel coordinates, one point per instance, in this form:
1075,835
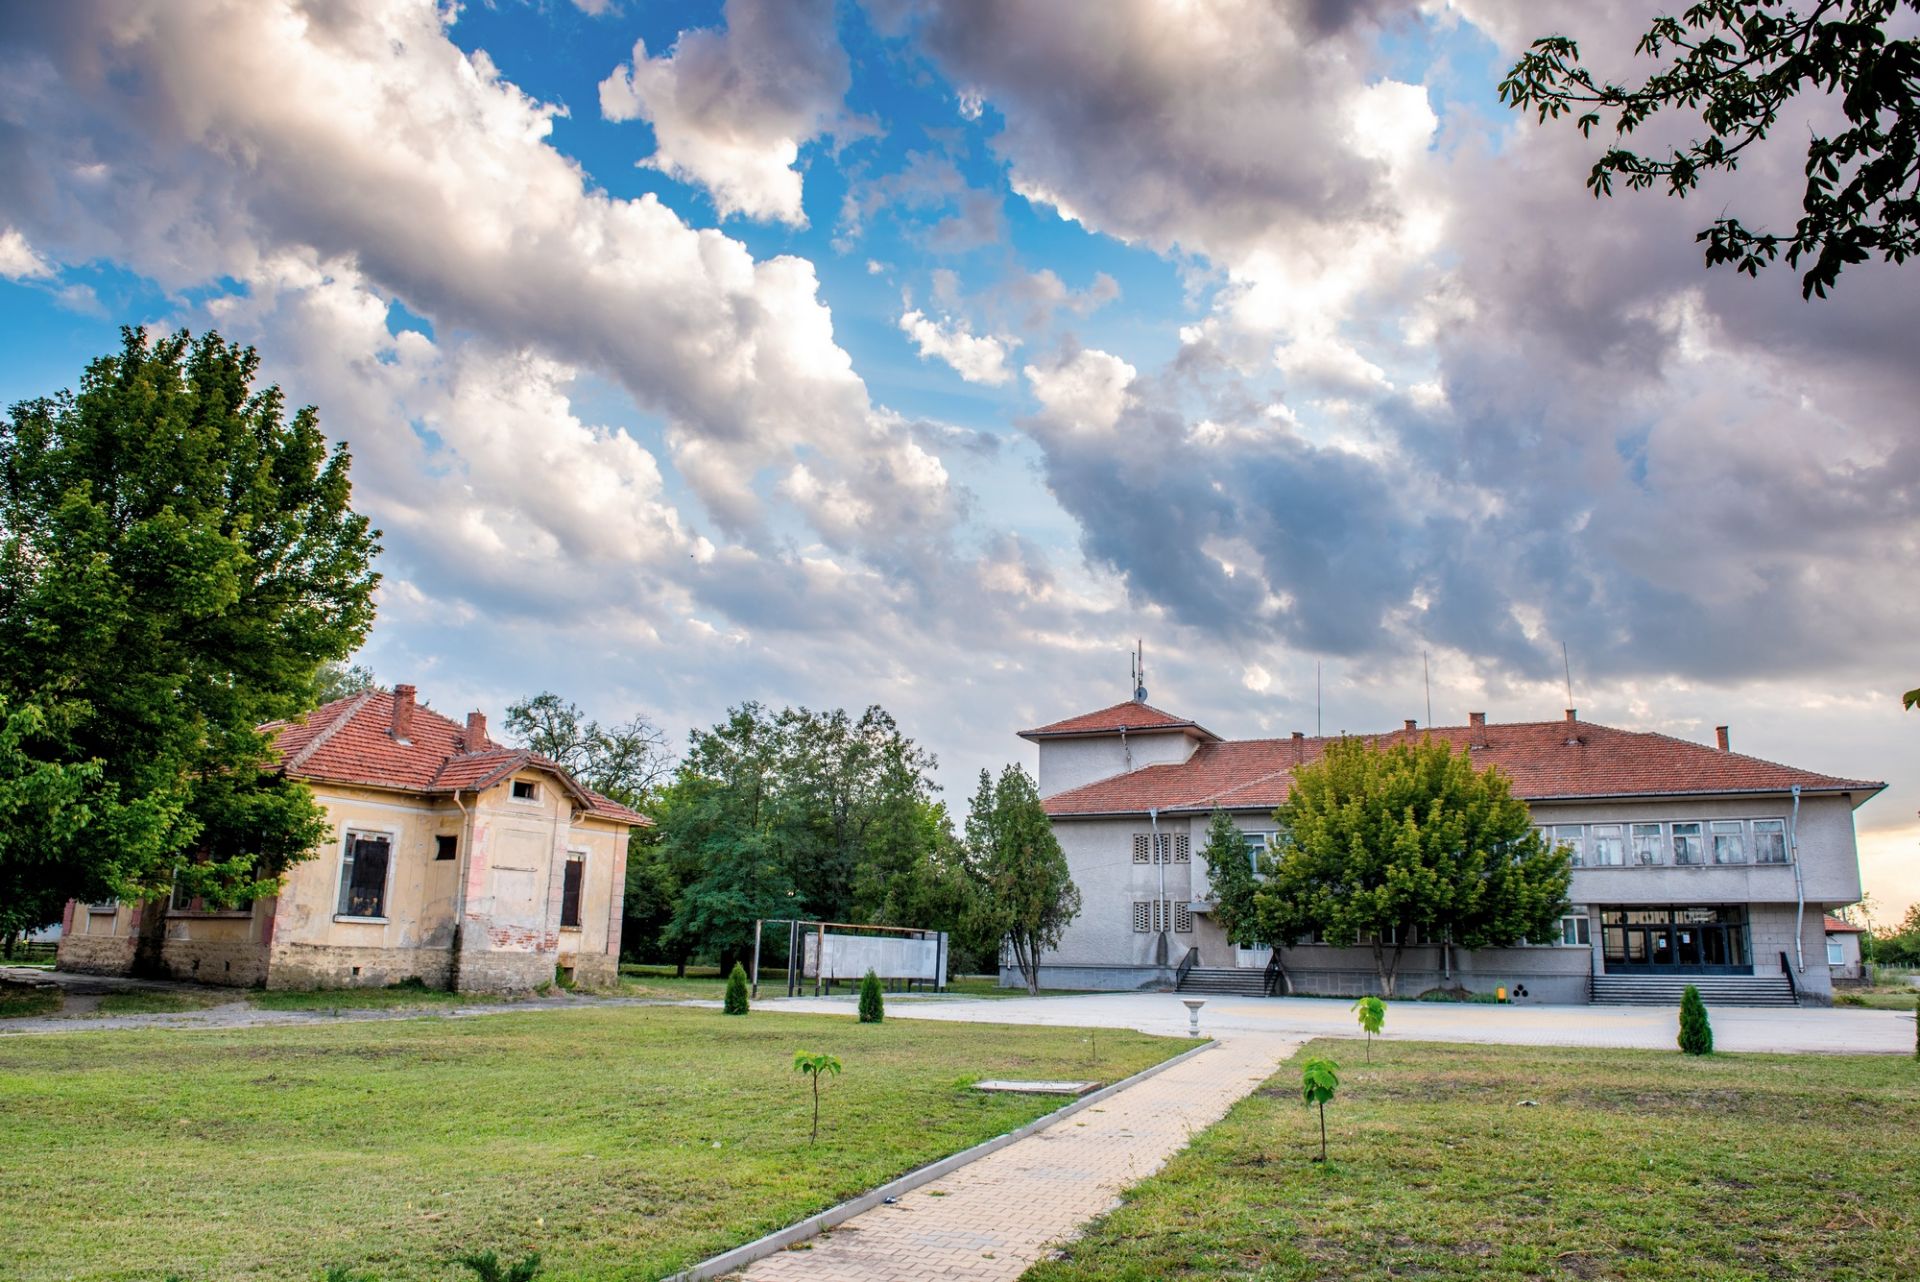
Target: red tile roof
350,741
1121,716
1545,760
1836,926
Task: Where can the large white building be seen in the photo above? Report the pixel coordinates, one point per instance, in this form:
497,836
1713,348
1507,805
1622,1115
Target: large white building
1691,864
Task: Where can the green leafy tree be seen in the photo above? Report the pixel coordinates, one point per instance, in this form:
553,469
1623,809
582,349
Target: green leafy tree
1372,1014
1319,1079
1230,875
339,679
736,1003
178,560
1027,896
872,1005
628,762
1899,945
1739,65
815,1066
1696,1034
1378,845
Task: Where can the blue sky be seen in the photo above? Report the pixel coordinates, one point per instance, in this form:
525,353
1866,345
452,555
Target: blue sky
928,353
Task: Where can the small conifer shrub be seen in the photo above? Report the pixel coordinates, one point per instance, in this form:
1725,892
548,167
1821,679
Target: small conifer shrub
872,1007
1696,1035
737,990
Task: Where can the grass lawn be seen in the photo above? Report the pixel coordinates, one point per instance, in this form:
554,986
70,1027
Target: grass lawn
410,995
23,1003
621,1142
165,1001
1628,1164
1884,997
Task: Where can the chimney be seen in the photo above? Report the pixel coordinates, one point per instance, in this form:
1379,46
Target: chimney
476,731
1299,747
403,713
1573,714
1720,733
1478,722
1410,725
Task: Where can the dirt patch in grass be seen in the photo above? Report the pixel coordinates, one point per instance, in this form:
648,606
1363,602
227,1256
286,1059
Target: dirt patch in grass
1625,1164
25,1002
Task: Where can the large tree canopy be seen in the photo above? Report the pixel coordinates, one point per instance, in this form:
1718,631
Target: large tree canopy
178,559
1376,846
628,762
1739,64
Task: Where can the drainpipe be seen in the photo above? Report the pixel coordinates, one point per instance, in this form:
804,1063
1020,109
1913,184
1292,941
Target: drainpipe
1126,751
1799,883
460,890
1153,818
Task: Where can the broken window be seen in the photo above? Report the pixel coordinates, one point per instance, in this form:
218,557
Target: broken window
570,893
363,875
446,846
525,790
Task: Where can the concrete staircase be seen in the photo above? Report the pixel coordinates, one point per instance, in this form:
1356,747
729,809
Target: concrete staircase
1715,990
1234,981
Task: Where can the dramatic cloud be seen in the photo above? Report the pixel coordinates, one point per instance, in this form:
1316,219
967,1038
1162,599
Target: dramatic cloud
731,109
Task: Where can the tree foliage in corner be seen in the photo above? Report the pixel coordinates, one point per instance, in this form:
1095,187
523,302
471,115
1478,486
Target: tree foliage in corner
1026,892
1738,64
178,559
1376,845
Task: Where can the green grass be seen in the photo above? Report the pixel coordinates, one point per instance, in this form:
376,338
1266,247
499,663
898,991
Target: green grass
24,1003
1884,997
621,1142
1626,1164
164,1001
408,995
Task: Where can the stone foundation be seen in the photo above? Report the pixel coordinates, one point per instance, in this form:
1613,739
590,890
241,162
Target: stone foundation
96,954
595,970
232,964
488,970
339,966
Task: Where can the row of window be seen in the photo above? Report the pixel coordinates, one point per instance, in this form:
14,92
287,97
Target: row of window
367,858
1165,848
1151,916
1684,843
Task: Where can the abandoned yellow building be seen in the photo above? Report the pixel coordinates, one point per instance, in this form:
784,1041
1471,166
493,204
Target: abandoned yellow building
453,860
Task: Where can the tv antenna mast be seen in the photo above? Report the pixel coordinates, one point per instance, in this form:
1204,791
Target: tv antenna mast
1139,670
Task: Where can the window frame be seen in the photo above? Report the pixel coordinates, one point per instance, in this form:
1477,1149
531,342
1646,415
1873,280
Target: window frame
1659,847
1577,845
1836,951
533,791
446,847
1738,834
573,858
347,836
1754,830
1594,838
1699,836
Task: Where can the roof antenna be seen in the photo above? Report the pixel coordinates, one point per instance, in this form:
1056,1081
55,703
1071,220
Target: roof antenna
1139,671
1567,663
1426,675
1316,698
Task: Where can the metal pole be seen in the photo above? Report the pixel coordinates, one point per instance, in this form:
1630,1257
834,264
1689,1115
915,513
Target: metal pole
755,984
793,949
820,960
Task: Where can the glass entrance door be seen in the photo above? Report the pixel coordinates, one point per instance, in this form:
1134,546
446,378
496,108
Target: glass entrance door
1676,941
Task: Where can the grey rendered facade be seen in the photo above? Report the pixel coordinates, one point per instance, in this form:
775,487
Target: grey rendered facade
1669,879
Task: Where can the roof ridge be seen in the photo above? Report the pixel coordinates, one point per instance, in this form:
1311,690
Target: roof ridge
358,701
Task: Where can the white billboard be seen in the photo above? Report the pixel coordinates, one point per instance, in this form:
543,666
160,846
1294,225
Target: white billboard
888,956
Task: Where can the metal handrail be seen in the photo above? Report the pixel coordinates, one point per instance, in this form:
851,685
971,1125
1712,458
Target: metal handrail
1787,969
1275,972
1186,964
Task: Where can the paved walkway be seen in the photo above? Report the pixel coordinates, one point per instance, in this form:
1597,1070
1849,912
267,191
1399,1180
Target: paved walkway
993,1218
1805,1029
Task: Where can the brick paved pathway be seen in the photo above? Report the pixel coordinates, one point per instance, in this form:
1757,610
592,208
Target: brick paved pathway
993,1218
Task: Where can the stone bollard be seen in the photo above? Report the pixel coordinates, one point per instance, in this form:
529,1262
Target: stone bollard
1193,1005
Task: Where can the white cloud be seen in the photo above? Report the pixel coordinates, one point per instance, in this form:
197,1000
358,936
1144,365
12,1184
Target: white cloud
731,109
1085,392
977,358
18,261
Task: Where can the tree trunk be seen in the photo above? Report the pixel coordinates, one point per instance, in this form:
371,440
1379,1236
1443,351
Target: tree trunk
1384,969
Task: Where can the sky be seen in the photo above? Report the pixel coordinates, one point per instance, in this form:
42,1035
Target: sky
929,353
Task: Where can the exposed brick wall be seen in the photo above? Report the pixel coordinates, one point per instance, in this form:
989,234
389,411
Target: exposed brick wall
235,964
486,971
295,965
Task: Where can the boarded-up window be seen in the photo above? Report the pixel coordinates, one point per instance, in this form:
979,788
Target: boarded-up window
570,893
363,875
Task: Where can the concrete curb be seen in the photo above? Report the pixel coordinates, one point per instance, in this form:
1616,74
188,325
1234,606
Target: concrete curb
780,1239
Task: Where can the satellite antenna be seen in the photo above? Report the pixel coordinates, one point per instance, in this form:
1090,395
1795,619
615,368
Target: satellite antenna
1139,671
